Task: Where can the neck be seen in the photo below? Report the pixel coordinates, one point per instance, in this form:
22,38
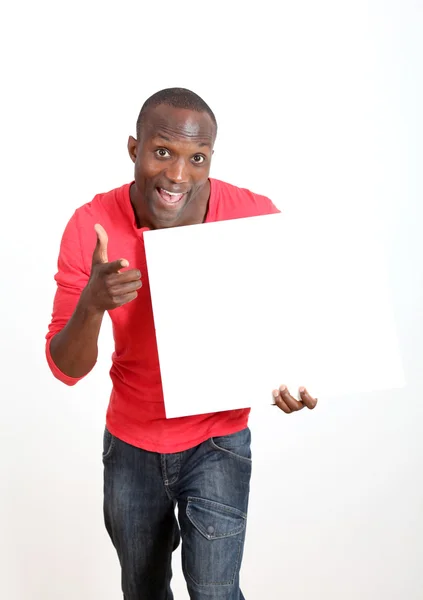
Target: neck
194,213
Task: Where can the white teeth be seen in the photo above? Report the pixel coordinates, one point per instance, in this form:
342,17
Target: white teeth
172,193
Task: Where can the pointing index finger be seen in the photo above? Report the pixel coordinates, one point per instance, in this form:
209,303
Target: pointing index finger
116,266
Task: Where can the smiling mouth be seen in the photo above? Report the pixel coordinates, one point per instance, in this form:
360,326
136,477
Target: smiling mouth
171,198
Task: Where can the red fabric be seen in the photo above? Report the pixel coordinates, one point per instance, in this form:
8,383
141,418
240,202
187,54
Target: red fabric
136,411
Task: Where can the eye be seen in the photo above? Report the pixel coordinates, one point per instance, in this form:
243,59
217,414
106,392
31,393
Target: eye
162,153
198,159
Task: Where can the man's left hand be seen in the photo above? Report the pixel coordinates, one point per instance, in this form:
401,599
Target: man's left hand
289,404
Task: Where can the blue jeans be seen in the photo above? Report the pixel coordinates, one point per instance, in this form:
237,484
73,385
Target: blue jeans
210,486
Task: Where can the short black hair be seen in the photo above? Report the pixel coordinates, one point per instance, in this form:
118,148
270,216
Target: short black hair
178,98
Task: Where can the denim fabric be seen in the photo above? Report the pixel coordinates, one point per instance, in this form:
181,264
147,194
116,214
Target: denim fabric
209,485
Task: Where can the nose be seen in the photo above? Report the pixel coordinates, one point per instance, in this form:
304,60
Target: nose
177,171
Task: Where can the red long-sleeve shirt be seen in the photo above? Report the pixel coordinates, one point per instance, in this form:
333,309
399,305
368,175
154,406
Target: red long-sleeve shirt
136,411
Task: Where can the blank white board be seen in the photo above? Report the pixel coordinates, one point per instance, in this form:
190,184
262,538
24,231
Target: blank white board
243,306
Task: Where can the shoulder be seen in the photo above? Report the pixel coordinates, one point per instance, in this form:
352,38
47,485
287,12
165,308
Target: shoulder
105,205
235,202
107,208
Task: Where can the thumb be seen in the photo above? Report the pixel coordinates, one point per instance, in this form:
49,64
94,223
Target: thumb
100,250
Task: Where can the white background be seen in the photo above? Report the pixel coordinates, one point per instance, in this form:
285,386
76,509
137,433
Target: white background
319,107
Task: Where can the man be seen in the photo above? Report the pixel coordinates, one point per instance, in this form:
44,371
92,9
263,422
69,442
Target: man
201,463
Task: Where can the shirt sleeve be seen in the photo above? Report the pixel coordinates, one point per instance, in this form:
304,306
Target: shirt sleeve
260,205
71,278
268,207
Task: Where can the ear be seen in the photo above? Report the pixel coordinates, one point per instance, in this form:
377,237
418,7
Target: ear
132,148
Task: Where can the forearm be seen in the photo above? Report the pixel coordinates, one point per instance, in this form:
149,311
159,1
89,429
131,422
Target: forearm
74,350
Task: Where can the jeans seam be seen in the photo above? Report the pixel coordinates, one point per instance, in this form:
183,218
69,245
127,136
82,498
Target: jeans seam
236,570
109,451
231,510
238,534
166,482
230,453
178,470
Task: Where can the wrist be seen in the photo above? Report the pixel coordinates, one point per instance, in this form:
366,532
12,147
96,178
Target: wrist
87,307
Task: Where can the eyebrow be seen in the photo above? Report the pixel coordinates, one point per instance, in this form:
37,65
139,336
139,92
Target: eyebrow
166,139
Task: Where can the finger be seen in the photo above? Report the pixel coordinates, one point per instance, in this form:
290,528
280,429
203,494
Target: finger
125,277
125,288
100,250
124,299
307,399
115,266
280,403
289,400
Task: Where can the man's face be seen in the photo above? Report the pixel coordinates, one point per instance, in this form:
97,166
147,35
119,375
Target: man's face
172,162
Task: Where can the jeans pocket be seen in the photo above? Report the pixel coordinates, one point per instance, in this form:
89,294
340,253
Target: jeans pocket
212,548
237,445
108,443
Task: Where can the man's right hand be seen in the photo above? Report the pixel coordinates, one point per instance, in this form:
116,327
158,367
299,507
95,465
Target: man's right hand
107,287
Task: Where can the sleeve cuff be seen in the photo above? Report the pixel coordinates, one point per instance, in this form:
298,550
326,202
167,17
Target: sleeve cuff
66,379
